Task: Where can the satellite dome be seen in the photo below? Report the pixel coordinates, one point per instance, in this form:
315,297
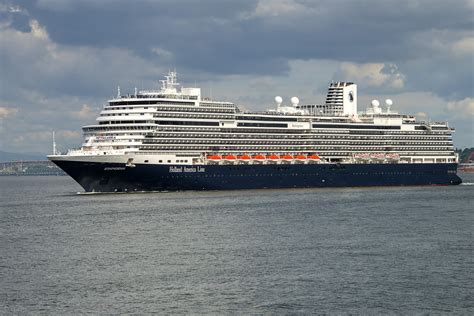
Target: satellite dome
295,101
278,99
375,103
388,102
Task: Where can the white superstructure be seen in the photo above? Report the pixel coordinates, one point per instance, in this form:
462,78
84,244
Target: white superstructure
176,125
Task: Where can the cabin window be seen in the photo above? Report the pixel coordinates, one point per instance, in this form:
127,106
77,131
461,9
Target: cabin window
146,160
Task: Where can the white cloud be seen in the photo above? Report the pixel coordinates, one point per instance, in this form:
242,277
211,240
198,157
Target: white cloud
11,8
462,108
373,74
86,112
161,52
68,134
46,136
422,116
53,86
33,137
7,111
38,31
276,8
464,46
33,61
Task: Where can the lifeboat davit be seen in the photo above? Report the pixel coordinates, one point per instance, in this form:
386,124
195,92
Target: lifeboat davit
313,157
258,157
214,157
287,157
230,157
273,157
245,157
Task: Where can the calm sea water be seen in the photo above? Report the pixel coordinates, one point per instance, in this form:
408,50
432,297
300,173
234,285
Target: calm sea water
392,250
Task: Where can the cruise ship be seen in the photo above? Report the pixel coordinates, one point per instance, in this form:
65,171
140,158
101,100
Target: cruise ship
173,138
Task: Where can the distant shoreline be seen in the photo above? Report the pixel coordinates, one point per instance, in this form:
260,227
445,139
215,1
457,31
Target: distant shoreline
30,168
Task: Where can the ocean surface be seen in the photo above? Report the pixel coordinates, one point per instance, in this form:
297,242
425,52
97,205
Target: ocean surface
388,250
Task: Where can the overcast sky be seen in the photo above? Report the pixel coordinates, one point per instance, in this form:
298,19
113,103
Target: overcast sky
60,60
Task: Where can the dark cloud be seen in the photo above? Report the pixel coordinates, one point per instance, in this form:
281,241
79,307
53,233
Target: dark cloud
342,30
251,37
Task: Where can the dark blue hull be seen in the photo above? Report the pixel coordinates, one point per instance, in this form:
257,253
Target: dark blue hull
106,177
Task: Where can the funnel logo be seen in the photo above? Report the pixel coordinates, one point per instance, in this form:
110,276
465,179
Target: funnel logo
351,96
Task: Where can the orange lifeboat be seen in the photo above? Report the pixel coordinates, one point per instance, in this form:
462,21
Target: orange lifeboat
273,157
313,157
300,157
258,157
214,157
287,157
244,157
230,157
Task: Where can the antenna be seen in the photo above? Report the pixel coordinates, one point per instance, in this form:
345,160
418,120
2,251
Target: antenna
136,92
118,92
170,81
54,145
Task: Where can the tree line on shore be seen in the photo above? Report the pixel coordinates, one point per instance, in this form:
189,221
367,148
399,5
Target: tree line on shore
466,155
